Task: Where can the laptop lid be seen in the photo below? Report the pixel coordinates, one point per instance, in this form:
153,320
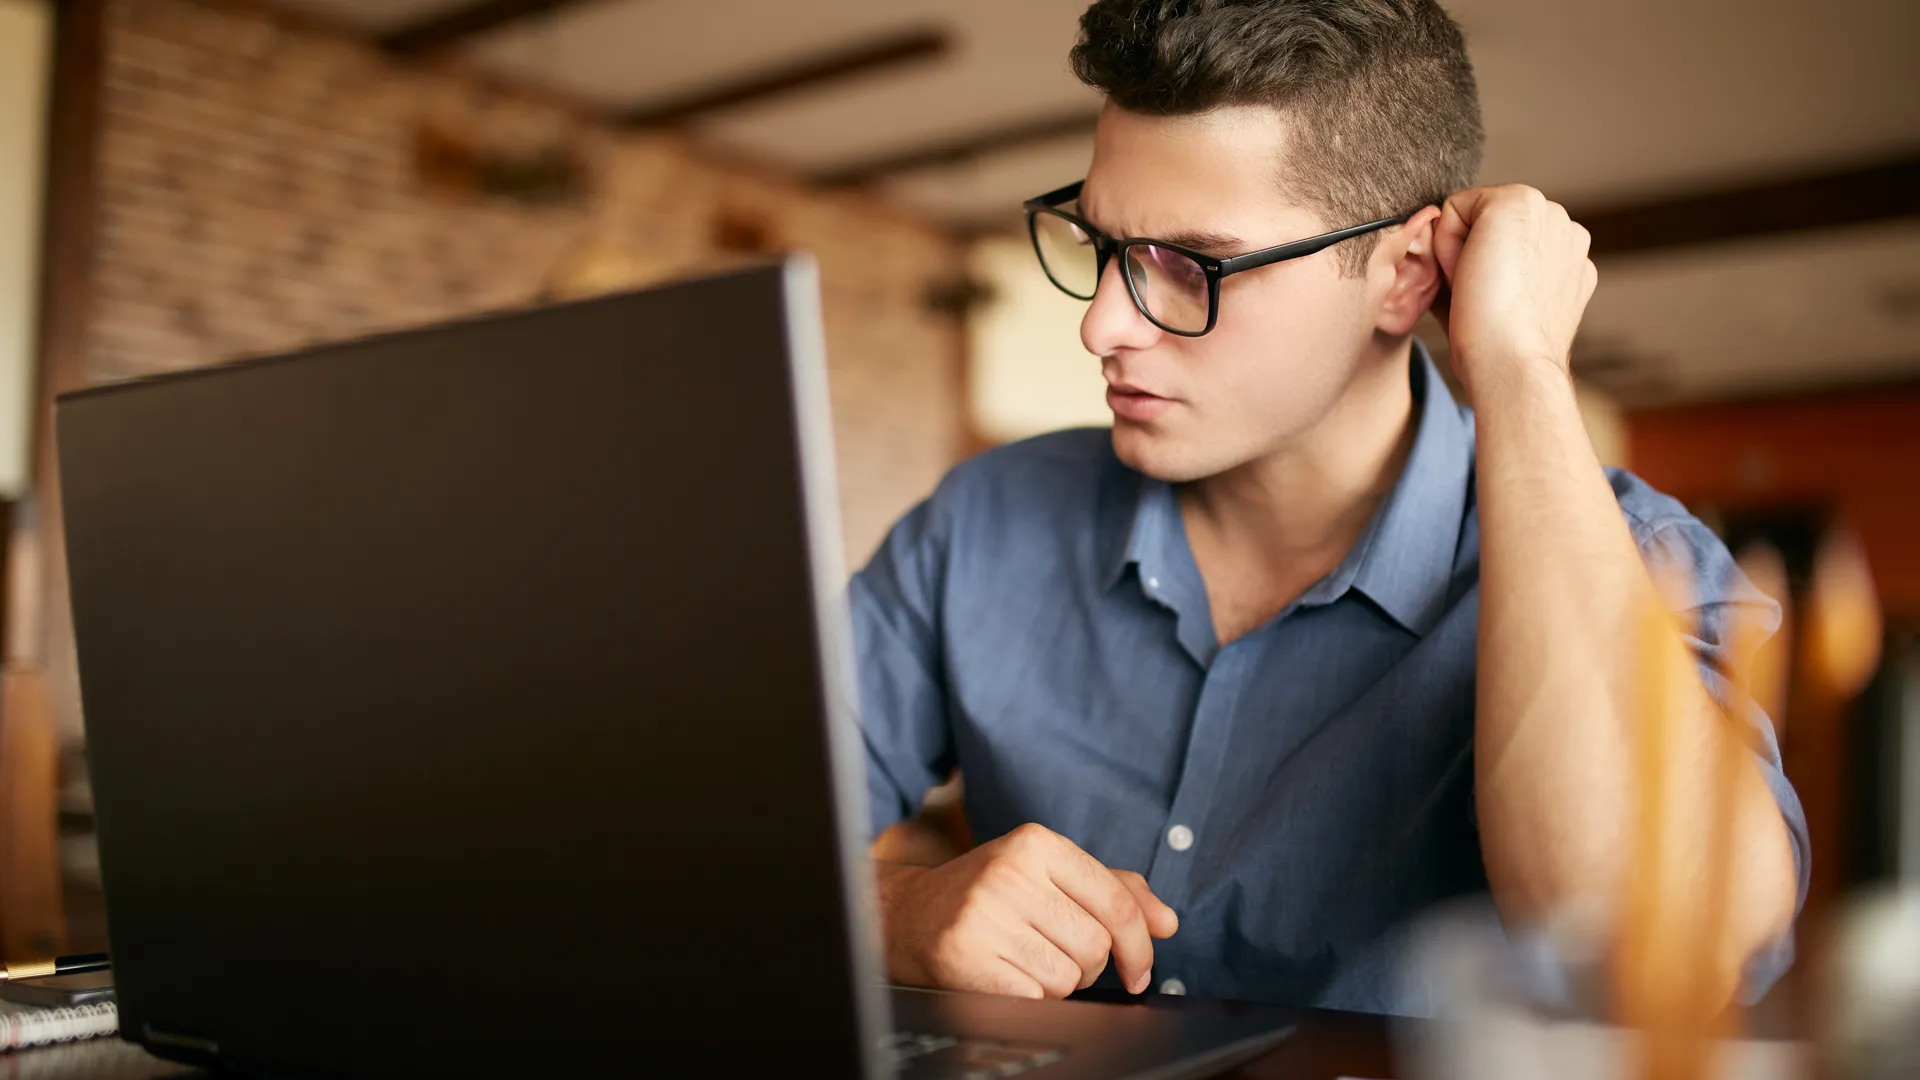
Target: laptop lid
437,683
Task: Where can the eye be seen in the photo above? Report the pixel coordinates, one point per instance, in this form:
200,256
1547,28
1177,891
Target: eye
1181,272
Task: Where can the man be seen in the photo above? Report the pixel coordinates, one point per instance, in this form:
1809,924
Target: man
1299,649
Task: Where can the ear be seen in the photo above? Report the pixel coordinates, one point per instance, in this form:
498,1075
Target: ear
1405,261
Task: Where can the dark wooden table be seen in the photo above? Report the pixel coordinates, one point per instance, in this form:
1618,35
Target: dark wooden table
1328,1045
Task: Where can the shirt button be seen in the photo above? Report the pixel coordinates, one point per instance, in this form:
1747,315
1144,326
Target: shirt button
1174,987
1153,583
1179,838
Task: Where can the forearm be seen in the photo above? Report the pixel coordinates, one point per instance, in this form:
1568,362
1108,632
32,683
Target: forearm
914,842
1563,596
937,834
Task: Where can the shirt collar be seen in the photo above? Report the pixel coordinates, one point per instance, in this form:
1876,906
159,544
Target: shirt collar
1152,511
1403,561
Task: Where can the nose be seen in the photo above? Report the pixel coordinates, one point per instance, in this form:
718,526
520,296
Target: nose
1112,323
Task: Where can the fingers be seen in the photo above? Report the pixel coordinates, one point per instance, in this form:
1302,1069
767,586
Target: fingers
1071,930
1161,920
1523,228
1467,205
1458,215
1095,889
1443,306
1036,906
1450,233
1030,914
987,941
1056,973
1004,977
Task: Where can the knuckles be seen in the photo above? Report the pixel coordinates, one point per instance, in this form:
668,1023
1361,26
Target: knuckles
1093,947
1032,837
1062,979
1519,195
1000,876
1118,908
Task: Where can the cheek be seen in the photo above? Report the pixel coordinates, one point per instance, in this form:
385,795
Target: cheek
1286,303
1268,336
1276,351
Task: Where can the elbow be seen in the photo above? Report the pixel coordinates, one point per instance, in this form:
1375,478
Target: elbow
1771,887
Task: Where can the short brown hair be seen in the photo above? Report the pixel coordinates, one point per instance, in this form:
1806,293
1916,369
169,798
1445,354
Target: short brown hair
1387,115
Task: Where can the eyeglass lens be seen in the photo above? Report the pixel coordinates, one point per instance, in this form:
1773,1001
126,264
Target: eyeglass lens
1171,288
1168,286
1067,254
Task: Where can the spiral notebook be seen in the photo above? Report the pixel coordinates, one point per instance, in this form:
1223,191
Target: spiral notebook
24,1026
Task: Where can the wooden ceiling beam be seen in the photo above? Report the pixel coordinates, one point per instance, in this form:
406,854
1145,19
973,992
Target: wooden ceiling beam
965,148
443,31
862,58
1850,196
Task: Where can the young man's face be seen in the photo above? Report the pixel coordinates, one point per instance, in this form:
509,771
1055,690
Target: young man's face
1290,336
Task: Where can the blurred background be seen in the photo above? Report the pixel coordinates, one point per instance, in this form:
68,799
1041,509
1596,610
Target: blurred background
186,182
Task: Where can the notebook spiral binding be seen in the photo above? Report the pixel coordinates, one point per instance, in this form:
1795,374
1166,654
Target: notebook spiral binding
40,1027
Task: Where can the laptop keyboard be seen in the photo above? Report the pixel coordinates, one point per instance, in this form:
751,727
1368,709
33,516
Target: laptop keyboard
946,1057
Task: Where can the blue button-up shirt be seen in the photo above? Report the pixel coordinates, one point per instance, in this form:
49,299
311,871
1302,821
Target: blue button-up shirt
1296,795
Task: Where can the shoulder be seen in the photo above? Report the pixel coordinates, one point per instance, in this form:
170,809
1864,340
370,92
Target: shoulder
1072,456
1043,476
1017,507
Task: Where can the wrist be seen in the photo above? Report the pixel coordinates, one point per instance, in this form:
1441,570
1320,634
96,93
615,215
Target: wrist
1492,381
889,876
892,880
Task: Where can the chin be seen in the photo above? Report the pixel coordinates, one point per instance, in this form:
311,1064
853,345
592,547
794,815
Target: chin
1161,455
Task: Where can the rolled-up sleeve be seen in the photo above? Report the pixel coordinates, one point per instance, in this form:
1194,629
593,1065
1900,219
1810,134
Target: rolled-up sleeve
896,606
1719,593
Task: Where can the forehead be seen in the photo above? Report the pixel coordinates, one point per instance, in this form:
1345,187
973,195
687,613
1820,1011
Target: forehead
1213,172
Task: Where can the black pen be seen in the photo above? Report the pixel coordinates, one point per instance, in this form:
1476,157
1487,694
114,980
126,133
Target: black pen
59,965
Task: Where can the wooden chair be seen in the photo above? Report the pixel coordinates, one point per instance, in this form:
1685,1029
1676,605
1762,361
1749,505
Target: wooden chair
32,917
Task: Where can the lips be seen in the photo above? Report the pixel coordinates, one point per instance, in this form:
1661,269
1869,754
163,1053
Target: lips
1136,405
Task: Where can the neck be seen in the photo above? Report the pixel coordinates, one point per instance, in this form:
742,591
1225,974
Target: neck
1309,501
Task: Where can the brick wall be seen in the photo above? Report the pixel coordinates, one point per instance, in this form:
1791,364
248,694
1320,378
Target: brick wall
259,192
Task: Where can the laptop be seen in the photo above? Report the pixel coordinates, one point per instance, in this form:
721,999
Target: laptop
478,699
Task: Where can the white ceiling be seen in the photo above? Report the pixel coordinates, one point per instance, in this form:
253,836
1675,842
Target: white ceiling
1836,307
1597,102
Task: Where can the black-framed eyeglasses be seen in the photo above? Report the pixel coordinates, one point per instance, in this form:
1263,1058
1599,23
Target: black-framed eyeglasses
1176,288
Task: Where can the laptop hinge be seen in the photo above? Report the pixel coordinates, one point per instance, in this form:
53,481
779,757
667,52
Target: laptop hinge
197,1043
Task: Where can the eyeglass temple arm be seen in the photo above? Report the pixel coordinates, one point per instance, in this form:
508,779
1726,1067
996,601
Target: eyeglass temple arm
1308,246
1056,197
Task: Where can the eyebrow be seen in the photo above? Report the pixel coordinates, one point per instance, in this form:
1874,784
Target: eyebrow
1216,245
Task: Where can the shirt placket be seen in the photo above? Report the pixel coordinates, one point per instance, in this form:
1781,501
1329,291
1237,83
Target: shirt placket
1183,842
